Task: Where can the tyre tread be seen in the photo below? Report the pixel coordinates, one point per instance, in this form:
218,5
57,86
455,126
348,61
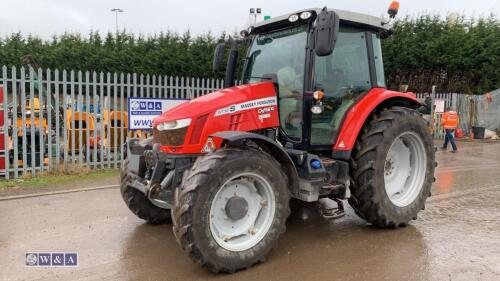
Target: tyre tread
363,199
186,195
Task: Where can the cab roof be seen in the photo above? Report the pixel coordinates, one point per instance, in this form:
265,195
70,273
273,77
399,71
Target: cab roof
348,17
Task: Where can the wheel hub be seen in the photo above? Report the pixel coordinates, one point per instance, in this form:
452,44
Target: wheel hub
242,211
236,208
404,169
389,166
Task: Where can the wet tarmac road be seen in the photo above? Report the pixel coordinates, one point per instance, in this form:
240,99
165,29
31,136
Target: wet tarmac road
457,237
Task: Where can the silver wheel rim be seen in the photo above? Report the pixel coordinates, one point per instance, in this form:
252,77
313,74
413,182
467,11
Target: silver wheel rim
242,233
404,170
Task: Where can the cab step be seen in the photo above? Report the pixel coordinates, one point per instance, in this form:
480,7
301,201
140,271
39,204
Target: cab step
331,213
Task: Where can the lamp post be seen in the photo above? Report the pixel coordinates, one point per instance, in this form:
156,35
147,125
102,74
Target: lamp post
116,11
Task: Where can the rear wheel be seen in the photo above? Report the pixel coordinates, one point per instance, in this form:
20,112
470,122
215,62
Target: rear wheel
138,203
392,168
231,208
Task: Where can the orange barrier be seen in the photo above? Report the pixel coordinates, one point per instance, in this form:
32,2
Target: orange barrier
118,120
90,127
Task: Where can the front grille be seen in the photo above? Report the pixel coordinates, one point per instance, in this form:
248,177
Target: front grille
170,137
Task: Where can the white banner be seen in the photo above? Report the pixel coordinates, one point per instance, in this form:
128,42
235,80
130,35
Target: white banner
142,111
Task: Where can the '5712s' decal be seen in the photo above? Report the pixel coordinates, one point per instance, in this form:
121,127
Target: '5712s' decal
247,105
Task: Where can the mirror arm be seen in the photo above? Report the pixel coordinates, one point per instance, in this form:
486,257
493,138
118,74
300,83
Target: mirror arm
218,56
231,63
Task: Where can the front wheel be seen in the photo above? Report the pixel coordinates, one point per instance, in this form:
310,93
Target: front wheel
392,168
138,203
231,208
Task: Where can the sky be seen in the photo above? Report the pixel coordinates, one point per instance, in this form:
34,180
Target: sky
45,18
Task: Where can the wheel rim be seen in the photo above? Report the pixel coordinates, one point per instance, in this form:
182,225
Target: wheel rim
236,225
404,171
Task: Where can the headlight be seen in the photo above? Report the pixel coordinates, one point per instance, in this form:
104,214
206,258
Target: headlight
171,133
174,125
305,15
293,18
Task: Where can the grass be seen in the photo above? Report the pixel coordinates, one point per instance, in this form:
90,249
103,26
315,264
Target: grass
63,176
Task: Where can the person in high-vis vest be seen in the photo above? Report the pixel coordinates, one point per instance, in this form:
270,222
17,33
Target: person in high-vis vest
450,122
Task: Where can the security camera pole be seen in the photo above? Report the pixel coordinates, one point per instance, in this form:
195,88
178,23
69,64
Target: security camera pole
116,11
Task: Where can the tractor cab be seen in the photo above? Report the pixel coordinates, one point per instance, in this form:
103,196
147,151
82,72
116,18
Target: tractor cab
321,61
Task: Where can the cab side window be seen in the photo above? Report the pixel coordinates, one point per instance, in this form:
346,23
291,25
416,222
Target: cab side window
379,62
347,69
342,76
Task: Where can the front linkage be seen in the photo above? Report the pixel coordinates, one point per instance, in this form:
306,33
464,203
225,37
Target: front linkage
149,179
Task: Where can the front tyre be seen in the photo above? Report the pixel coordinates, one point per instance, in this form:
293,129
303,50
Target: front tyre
231,208
392,168
137,202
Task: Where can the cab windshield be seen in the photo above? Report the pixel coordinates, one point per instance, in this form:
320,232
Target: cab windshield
282,53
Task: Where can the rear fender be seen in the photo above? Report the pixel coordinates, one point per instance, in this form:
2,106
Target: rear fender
374,101
269,146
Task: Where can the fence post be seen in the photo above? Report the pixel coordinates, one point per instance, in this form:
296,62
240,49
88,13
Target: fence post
32,120
129,90
49,119
103,125
148,85
141,87
171,87
87,119
15,142
73,113
96,129
80,116
182,87
58,113
134,92
40,119
198,88
122,116
165,88
66,122
194,86
154,86
23,119
115,123
4,101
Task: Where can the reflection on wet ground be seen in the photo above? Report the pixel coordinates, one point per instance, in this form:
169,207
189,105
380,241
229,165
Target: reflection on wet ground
455,238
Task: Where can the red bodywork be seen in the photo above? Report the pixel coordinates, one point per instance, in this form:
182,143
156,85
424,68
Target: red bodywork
357,115
254,106
240,108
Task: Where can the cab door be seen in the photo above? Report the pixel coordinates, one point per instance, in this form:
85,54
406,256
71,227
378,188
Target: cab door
343,76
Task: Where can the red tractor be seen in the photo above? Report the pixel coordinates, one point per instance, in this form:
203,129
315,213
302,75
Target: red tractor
312,119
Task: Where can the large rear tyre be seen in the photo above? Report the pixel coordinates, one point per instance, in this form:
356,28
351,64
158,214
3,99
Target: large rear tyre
392,168
138,203
231,208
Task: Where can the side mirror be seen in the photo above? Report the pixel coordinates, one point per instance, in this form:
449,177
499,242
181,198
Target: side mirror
325,36
218,56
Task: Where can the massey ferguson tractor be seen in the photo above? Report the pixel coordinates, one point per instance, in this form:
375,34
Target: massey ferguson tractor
311,120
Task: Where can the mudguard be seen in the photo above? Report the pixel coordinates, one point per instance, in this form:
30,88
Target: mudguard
271,147
356,117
